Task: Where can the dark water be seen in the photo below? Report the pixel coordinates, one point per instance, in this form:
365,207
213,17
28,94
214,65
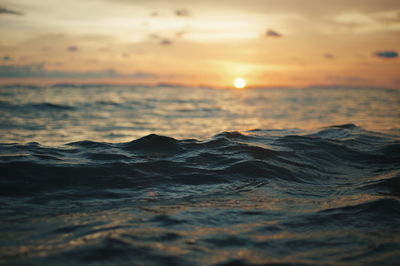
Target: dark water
322,196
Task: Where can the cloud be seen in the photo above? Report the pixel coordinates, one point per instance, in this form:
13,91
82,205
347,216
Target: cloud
311,8
155,36
182,13
329,56
6,58
39,71
4,10
165,42
180,34
273,34
386,54
72,48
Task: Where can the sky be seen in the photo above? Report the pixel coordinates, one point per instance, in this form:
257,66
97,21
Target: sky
270,43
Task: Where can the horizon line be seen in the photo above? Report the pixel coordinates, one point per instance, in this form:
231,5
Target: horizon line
183,85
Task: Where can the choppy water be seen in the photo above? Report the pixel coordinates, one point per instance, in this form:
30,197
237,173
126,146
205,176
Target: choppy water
239,178
62,114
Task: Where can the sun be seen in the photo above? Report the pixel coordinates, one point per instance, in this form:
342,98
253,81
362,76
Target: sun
239,83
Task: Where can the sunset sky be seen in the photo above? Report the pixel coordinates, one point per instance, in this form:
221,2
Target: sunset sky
294,43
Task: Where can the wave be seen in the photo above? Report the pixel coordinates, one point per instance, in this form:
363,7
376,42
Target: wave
45,106
258,196
227,157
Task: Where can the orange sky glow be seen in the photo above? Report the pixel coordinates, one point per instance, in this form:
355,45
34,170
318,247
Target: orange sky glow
269,43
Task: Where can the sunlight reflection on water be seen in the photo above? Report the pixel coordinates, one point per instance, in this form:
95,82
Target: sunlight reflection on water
56,115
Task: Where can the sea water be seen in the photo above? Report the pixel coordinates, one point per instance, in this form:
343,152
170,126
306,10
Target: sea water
134,175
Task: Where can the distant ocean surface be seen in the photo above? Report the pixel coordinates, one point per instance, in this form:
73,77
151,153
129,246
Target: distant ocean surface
119,175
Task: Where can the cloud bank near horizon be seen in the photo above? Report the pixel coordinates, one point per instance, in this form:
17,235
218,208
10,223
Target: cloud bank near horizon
39,71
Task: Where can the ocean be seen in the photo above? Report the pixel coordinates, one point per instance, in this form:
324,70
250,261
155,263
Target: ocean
164,175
